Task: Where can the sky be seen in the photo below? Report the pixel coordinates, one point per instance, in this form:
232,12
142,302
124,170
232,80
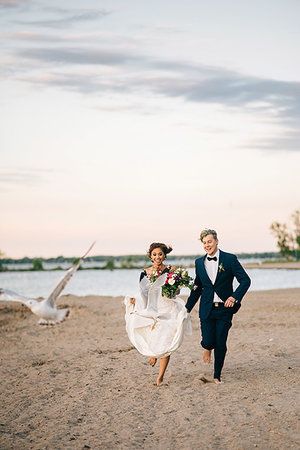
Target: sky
130,122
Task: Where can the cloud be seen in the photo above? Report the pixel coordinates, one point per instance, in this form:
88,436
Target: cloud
91,38
78,56
279,98
30,36
194,83
11,3
85,84
291,142
22,177
124,71
79,15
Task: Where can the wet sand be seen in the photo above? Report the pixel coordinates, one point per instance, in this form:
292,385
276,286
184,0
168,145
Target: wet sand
82,385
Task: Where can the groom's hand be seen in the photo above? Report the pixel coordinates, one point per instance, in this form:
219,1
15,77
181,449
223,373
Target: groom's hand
229,302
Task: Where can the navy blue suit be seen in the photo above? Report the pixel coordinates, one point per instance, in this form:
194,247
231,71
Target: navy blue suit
216,322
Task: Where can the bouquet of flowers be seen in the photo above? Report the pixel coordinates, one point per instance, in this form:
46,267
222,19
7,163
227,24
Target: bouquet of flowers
175,280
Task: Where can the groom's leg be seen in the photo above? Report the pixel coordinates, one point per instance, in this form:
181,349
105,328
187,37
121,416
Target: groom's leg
208,331
223,325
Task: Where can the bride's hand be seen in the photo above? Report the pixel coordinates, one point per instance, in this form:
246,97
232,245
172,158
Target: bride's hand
132,300
177,292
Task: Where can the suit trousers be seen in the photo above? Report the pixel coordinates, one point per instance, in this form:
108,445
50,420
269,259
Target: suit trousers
214,331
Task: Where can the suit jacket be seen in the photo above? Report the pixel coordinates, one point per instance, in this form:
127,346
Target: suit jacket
229,268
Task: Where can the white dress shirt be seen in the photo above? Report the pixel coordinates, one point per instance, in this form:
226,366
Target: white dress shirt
211,268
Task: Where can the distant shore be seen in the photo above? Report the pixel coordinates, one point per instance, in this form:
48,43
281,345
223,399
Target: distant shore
273,265
256,265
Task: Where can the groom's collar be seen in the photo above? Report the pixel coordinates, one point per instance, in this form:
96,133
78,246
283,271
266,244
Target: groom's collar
217,254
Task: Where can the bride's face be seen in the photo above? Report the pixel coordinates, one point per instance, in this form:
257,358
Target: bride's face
157,256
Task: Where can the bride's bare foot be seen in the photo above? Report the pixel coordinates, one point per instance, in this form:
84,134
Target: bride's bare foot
217,381
206,356
152,361
159,381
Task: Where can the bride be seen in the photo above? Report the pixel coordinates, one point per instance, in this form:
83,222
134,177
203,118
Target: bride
156,324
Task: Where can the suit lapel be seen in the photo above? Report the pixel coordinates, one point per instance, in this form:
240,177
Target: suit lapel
204,270
221,260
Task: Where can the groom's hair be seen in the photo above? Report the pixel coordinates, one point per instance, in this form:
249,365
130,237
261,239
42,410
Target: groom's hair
206,232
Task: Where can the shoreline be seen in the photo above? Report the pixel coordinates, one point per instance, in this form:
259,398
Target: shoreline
294,265
273,265
81,384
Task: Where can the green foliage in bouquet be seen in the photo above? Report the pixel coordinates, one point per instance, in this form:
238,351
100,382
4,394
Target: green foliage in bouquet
176,280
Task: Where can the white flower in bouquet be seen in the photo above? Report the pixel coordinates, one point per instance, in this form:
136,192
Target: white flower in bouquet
175,280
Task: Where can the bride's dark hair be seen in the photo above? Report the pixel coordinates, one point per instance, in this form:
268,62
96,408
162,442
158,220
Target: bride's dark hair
165,248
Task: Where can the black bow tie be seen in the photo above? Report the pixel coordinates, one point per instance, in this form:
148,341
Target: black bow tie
214,258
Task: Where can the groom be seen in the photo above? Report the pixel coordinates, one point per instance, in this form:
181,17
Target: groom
214,283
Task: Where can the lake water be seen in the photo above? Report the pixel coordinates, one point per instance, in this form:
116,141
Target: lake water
123,282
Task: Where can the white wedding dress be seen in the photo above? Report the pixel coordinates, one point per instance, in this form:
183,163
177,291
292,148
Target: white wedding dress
155,324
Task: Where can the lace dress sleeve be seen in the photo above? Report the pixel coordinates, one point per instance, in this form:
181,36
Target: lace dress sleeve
143,274
144,284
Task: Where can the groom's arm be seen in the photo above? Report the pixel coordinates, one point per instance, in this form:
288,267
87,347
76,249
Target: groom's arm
242,277
194,295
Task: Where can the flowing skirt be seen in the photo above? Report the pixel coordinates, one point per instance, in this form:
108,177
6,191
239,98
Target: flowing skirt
157,332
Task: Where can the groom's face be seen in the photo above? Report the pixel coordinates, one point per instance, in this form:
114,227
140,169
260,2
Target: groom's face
210,244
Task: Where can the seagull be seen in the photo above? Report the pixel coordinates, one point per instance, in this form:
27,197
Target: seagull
46,309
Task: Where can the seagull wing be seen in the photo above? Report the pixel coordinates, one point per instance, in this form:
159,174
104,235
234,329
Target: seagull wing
11,296
65,279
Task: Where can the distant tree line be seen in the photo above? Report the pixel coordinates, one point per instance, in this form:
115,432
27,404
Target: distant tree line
288,239
112,262
1,261
62,259
123,260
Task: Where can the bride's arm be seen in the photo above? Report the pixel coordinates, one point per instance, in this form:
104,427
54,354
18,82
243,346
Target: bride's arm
140,301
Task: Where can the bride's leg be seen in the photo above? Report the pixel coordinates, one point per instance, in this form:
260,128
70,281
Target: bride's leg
163,364
152,361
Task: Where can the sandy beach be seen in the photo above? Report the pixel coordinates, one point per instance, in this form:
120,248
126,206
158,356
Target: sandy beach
81,384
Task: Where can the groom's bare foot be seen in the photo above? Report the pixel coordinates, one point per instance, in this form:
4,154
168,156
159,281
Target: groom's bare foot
152,361
217,381
206,356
